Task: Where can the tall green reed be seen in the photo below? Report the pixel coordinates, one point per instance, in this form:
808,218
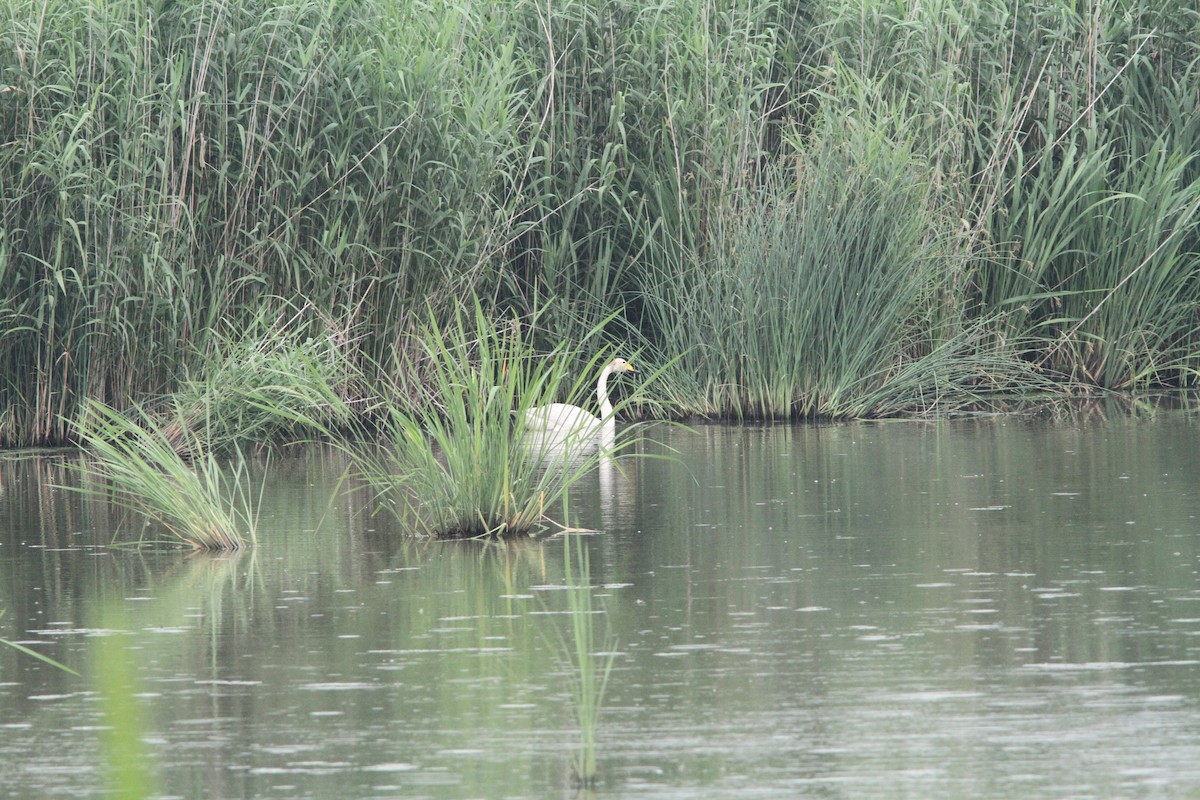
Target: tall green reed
1092,213
171,168
832,293
1063,138
653,117
168,170
589,659
1103,270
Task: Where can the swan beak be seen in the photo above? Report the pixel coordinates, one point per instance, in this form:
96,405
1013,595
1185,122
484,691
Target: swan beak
629,367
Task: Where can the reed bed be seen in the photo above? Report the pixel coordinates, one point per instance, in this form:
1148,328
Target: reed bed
168,173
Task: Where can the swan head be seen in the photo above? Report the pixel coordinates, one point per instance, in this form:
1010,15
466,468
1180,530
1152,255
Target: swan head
620,365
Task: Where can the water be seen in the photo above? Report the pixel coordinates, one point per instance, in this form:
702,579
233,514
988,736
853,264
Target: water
992,608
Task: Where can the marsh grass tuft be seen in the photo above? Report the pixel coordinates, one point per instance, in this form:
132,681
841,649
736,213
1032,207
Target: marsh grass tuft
270,382
204,501
828,292
455,460
1105,276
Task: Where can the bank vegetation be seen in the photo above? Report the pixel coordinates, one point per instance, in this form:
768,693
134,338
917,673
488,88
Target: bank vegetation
794,208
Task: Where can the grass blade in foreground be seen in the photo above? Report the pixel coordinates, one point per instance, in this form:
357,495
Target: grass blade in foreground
590,670
128,762
45,659
139,468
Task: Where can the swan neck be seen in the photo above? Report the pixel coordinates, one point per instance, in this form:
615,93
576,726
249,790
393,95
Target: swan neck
606,408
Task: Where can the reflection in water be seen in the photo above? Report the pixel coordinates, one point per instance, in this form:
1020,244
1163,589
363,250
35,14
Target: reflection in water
989,608
606,476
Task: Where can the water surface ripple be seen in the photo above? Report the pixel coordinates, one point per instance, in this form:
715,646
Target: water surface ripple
981,608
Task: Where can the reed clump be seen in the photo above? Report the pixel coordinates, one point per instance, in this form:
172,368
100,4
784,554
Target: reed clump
449,454
831,291
205,502
272,382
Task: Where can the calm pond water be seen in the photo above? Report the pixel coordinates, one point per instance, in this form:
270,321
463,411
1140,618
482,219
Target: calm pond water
990,608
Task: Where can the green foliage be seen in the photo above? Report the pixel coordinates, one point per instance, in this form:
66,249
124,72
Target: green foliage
1065,141
169,171
134,462
268,383
455,459
1102,271
832,292
654,116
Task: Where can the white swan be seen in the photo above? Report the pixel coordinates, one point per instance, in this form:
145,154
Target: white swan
557,422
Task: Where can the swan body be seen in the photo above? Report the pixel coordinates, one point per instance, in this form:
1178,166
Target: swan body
557,422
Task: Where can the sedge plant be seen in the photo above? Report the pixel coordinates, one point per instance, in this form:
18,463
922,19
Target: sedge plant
203,501
831,291
453,459
271,382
